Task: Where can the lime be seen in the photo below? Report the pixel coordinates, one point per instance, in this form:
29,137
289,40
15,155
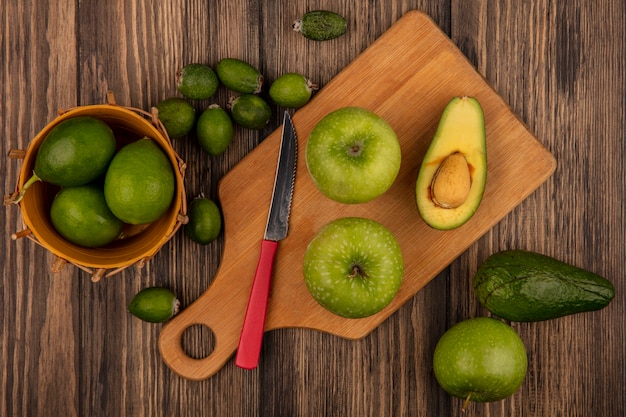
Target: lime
239,76
197,81
291,90
177,115
75,152
250,111
205,221
80,214
214,130
154,304
139,185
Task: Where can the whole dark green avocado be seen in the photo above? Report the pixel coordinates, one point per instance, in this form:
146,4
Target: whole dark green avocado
526,286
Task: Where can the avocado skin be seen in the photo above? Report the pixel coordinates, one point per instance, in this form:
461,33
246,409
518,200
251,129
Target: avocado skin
525,286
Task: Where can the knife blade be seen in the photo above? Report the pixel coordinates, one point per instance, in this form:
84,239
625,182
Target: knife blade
253,327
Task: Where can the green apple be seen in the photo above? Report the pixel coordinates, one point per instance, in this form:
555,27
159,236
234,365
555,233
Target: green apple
353,155
480,359
353,267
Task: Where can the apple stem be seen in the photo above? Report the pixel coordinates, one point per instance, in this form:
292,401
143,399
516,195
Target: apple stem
357,271
355,149
466,402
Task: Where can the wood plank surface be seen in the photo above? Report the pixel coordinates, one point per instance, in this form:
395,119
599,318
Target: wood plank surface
68,345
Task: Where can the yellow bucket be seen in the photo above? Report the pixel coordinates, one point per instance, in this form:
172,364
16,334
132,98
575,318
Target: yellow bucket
140,243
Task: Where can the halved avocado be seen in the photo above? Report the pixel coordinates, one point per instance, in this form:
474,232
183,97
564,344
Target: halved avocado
452,177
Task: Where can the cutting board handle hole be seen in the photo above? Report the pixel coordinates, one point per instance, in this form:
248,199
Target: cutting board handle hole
198,341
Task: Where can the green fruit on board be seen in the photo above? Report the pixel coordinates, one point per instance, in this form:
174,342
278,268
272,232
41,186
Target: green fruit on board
154,304
80,214
177,115
353,267
524,286
214,130
353,155
75,152
480,359
291,90
320,25
239,76
250,111
140,184
453,173
205,221
197,81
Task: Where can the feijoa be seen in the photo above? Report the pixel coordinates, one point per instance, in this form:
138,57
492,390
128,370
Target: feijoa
205,221
154,304
291,90
80,214
321,25
250,111
197,81
177,115
214,130
139,185
75,152
239,76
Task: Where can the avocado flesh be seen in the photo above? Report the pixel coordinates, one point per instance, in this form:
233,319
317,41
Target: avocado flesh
461,129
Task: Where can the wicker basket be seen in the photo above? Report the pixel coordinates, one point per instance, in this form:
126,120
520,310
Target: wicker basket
139,244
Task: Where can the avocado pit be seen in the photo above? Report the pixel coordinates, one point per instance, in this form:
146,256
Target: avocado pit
452,182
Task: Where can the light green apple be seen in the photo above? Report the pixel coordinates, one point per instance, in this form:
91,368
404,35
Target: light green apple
481,359
353,267
353,155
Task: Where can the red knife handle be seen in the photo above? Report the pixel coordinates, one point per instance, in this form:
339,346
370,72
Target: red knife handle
253,327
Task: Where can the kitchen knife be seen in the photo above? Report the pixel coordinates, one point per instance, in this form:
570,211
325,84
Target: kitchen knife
253,327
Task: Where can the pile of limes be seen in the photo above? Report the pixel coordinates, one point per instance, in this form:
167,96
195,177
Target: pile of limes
101,188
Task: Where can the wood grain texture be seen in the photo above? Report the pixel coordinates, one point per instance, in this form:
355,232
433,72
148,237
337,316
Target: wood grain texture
69,347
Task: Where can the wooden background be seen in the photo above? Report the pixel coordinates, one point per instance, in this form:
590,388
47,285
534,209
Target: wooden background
69,347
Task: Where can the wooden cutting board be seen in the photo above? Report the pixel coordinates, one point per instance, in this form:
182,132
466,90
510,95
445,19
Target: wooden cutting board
407,76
